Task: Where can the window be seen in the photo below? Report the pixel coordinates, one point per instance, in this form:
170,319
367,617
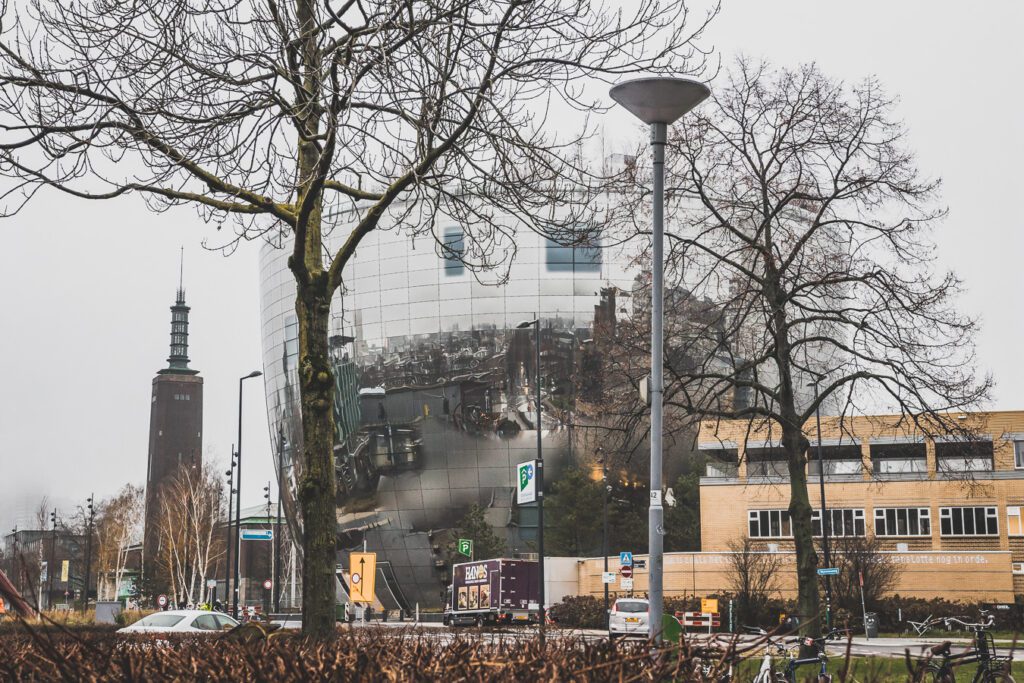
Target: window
1018,454
903,522
968,521
842,522
964,456
578,258
206,622
452,248
1017,567
770,524
161,620
1013,523
291,341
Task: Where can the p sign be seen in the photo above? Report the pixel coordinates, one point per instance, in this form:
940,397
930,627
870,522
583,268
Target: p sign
526,482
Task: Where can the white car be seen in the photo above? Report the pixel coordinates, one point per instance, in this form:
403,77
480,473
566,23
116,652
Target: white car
628,618
182,621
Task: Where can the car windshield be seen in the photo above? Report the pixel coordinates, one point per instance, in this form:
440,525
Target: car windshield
631,606
161,620
225,621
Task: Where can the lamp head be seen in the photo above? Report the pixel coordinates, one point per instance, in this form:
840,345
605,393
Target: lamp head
526,323
254,373
660,99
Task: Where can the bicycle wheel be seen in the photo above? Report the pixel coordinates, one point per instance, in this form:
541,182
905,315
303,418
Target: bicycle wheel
939,674
997,677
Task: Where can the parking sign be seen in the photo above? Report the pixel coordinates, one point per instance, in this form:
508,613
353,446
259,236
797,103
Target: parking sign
526,482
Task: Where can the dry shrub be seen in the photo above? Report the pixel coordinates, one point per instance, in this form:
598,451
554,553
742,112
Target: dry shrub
364,654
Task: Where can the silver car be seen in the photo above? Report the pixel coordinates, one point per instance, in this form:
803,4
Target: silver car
182,621
628,618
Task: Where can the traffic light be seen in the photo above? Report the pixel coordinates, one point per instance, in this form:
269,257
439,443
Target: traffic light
266,491
53,519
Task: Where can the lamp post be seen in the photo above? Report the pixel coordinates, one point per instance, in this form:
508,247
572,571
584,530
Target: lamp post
658,102
825,521
540,471
88,552
238,494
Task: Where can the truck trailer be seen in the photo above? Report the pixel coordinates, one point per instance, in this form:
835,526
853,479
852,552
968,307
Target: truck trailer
498,591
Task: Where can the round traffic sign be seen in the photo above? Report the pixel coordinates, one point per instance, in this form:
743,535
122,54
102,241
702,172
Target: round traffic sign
162,601
267,584
626,571
356,578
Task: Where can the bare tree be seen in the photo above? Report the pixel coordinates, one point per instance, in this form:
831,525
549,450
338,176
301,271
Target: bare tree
119,523
801,231
274,115
752,578
861,558
188,547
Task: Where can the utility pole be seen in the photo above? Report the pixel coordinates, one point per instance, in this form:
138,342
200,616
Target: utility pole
51,565
277,527
88,552
227,550
825,521
238,495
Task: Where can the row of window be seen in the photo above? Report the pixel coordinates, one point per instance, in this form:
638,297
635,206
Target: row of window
979,520
557,257
183,397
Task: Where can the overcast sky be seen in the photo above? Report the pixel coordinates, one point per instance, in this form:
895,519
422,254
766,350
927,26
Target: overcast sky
87,286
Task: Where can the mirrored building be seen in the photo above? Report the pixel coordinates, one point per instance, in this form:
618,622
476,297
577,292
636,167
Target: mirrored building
435,387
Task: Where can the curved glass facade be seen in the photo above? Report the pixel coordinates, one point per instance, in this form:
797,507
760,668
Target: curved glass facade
435,386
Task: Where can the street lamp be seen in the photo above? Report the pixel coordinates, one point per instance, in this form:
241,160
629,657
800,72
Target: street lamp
535,324
53,559
658,102
238,483
825,521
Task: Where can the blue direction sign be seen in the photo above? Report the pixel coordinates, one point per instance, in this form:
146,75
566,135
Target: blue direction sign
626,559
257,534
828,571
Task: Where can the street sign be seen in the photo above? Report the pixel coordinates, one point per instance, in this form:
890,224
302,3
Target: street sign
639,564
526,482
65,566
828,571
655,498
607,577
162,601
257,534
211,583
363,568
626,571
268,584
701,619
466,547
626,559
708,604
626,584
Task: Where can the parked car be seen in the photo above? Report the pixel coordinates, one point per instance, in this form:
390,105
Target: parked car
182,621
628,618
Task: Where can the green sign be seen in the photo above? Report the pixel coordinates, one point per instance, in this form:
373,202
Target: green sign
526,490
466,547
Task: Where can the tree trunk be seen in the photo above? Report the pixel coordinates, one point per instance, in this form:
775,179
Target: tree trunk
808,606
317,487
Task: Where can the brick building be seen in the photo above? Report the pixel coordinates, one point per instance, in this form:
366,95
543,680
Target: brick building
949,508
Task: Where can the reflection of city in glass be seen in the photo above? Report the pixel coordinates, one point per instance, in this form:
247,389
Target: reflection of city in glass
435,388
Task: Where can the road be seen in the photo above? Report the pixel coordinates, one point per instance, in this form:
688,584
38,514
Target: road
859,646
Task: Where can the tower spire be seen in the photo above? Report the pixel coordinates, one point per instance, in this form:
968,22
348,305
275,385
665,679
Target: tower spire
177,363
181,277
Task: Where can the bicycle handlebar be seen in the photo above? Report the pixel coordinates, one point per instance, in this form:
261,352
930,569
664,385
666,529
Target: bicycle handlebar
988,623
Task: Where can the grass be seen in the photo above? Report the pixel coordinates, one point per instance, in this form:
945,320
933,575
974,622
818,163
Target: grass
874,669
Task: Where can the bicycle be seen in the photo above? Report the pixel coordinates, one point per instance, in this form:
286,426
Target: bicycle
991,668
768,674
922,627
